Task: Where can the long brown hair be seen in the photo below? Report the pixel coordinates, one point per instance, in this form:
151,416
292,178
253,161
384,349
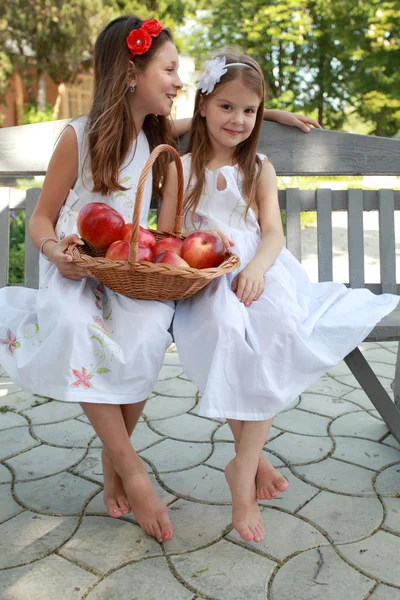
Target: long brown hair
245,154
111,128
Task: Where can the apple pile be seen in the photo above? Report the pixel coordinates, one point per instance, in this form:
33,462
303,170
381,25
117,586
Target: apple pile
104,228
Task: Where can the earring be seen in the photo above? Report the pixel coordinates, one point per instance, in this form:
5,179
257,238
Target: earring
132,88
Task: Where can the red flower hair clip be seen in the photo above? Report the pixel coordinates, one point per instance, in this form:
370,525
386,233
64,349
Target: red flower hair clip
139,40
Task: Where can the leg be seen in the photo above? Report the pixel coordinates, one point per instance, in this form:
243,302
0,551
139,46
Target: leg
269,483
240,475
150,512
114,494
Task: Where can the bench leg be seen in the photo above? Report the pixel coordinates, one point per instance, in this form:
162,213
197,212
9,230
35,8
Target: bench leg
375,391
396,382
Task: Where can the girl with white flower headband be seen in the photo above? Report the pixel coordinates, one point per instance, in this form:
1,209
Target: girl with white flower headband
253,340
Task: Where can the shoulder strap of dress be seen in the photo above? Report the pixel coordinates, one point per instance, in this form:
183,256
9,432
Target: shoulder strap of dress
79,125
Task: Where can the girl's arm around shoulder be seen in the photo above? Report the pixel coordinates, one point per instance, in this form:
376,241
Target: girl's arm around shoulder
180,126
166,217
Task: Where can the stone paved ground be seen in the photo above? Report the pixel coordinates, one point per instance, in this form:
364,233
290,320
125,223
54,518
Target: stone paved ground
335,534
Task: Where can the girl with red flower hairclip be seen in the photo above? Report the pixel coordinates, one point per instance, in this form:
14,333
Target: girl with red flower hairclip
98,348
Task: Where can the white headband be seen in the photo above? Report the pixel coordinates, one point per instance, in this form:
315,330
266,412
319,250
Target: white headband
213,71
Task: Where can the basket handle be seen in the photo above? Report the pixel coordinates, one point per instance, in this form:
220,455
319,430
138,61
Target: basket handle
134,245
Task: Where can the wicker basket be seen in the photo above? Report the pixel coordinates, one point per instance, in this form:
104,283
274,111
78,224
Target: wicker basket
147,280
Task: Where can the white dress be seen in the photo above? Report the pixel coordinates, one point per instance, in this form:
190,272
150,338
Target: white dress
77,340
251,362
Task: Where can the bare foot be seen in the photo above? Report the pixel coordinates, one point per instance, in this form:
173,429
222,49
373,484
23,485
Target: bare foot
269,482
246,518
149,510
114,494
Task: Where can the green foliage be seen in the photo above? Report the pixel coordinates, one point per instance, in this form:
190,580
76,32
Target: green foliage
33,115
17,244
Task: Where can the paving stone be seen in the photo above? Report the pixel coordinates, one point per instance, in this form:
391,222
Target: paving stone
11,419
299,421
296,579
7,387
22,400
339,369
392,519
142,579
14,440
188,428
162,407
5,475
225,451
365,453
199,483
175,387
377,555
360,398
210,571
169,372
284,535
327,406
297,449
294,404
388,482
8,507
380,355
29,536
171,455
63,494
384,592
329,387
345,518
43,461
359,423
196,525
337,476
385,381
390,439
143,436
295,496
69,434
47,579
54,411
172,359
104,543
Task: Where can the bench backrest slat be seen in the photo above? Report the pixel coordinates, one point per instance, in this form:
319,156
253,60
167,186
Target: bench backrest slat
355,238
31,253
4,235
293,228
387,241
324,234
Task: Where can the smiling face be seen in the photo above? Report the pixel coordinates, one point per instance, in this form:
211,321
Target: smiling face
230,114
157,86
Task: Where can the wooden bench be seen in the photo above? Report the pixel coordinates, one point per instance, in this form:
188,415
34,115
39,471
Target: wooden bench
25,151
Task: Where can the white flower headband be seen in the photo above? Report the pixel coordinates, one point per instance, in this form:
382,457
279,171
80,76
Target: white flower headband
213,71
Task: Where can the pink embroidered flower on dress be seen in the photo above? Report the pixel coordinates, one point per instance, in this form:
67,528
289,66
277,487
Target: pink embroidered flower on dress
100,324
200,219
11,342
82,378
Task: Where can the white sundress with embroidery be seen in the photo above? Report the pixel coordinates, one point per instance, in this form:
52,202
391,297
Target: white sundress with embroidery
77,340
251,362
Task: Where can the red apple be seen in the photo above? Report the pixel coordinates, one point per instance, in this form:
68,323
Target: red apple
145,237
118,250
170,258
168,244
100,225
203,250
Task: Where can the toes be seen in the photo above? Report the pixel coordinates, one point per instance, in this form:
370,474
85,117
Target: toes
167,531
282,484
113,510
123,505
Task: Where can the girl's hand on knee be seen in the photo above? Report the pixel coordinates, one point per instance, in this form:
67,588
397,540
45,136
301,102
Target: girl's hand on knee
249,284
57,255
